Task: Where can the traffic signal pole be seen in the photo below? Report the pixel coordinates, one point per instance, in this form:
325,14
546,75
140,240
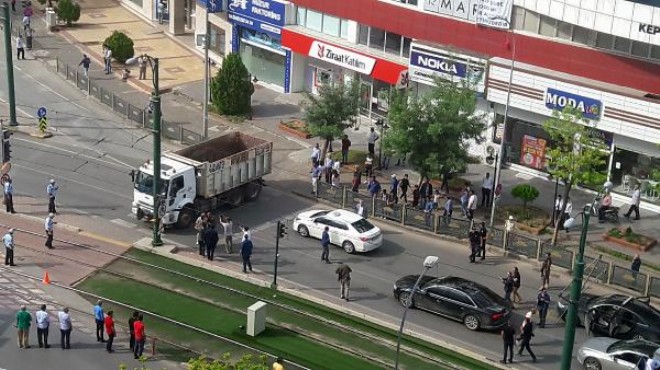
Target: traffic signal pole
277,251
10,65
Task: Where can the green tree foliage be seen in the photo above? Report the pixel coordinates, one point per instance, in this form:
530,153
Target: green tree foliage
525,192
435,128
231,88
332,111
574,155
247,362
68,11
121,46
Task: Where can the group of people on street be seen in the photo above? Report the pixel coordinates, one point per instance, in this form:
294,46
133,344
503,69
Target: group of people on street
207,238
105,323
478,238
42,321
523,340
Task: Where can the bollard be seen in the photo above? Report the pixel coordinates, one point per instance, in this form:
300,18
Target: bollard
153,346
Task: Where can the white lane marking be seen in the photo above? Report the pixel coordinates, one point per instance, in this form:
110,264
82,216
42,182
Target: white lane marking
50,89
124,223
18,109
80,154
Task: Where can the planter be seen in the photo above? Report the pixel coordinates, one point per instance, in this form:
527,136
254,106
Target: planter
295,128
645,243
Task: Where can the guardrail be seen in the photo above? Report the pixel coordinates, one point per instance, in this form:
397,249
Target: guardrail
603,271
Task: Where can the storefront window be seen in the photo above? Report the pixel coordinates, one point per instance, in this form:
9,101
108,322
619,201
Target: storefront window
314,21
377,38
264,64
331,25
630,169
217,39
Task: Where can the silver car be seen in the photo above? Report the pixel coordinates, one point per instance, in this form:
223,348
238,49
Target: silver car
604,353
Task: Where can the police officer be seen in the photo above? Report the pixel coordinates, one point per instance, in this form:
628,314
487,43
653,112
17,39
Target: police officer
48,225
9,196
8,241
51,190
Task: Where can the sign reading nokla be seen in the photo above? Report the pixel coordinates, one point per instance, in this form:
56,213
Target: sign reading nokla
558,100
342,57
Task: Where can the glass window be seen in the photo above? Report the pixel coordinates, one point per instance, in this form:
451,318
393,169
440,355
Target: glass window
330,25
622,44
377,38
655,52
548,26
344,29
531,23
137,2
406,46
564,30
640,49
363,35
263,64
584,36
314,21
604,40
518,17
301,15
217,39
393,43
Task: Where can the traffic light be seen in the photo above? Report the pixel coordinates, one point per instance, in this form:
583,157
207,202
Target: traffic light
6,146
282,230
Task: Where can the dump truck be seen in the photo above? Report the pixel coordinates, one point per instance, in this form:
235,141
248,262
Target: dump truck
224,170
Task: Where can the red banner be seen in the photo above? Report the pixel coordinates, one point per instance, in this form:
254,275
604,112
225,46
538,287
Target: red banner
532,152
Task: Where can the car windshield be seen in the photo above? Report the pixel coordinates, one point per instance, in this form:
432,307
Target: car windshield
635,345
144,183
362,225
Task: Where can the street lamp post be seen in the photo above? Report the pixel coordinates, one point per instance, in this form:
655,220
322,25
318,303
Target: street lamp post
429,262
157,116
6,24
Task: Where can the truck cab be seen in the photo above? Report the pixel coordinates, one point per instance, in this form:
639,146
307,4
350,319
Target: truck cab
178,192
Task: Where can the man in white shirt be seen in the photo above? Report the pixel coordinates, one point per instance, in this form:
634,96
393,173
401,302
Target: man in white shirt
108,60
472,204
316,153
634,204
9,196
228,230
559,202
246,232
43,322
8,241
371,141
49,227
51,191
20,47
486,190
65,328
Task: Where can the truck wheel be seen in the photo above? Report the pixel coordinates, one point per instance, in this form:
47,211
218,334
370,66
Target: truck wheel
186,218
235,197
140,214
252,191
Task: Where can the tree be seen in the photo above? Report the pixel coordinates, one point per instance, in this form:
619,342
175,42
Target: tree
435,128
121,46
68,11
231,88
332,111
574,154
525,192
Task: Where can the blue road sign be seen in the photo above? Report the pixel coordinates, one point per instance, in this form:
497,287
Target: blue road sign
41,112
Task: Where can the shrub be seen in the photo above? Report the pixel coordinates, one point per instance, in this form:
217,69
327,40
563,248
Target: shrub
68,11
526,193
231,88
121,46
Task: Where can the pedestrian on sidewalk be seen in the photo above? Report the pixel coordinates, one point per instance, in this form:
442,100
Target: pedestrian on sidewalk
85,63
65,328
508,338
140,336
278,364
344,277
316,174
567,212
472,205
357,179
373,187
228,229
486,190
545,271
371,142
23,323
8,241
325,245
49,225
425,193
20,47
634,267
99,319
634,204
526,336
447,210
465,196
315,156
369,165
605,204
246,253
110,330
26,20
142,66
28,38
51,191
345,147
559,202
394,187
483,233
327,168
543,304
211,241
131,330
107,57
404,184
334,174
475,244
9,196
416,196
200,226
508,286
516,285
359,208
43,323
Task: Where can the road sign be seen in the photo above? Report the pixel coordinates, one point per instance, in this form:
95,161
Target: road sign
41,112
43,123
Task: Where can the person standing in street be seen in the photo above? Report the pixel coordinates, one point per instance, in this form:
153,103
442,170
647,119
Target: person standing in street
325,245
200,226
508,338
20,47
110,330
131,330
526,336
99,318
486,190
371,141
8,241
425,192
545,271
316,174
508,286
23,323
85,63
246,232
345,147
51,191
472,205
634,267
394,187
140,336
475,244
49,226
344,277
211,241
634,204
246,253
483,233
227,229
65,328
543,304
328,163
404,185
9,196
43,324
516,286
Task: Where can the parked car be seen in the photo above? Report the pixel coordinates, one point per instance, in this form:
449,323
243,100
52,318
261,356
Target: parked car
476,306
614,354
617,316
347,229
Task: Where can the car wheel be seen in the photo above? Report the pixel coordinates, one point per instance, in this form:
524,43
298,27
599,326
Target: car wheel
471,322
405,298
303,231
348,247
591,363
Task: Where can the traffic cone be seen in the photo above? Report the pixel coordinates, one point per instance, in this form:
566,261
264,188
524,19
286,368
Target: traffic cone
46,279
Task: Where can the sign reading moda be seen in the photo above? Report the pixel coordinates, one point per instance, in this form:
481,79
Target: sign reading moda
492,13
558,100
342,57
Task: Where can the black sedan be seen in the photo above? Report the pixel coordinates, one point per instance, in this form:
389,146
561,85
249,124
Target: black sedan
456,298
617,316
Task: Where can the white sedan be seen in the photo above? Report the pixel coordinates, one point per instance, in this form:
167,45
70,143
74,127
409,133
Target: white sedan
347,229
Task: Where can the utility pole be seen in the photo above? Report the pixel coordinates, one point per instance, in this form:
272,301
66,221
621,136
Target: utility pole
6,24
155,98
205,122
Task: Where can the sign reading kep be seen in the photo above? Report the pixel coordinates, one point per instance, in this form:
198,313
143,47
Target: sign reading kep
558,100
342,57
264,11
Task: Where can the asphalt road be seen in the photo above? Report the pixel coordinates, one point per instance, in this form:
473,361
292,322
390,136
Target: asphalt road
91,155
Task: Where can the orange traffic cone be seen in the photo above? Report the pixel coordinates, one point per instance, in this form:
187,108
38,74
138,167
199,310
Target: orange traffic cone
46,279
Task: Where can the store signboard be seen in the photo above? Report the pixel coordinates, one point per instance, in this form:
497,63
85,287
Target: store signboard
427,63
341,57
558,100
214,6
266,16
491,13
532,152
